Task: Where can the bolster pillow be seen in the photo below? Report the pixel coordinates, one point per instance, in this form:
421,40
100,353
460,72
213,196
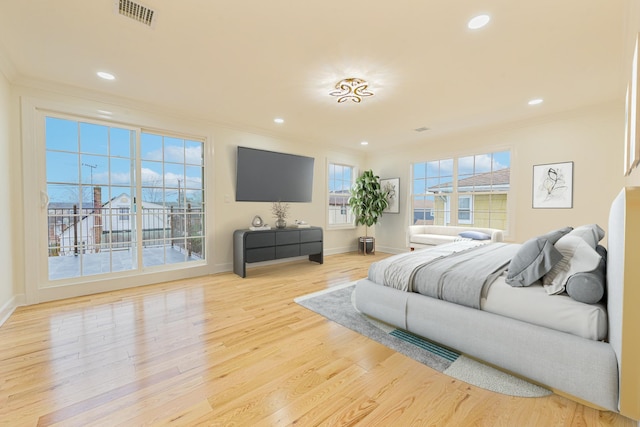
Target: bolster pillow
589,287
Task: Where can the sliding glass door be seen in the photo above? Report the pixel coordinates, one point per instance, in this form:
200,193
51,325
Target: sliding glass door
120,199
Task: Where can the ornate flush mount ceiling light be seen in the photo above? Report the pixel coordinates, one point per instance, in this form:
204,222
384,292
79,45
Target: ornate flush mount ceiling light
351,89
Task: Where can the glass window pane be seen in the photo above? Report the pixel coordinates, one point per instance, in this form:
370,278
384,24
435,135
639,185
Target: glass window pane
62,167
174,175
124,194
94,139
151,147
61,134
121,142
433,169
194,175
433,185
193,152
63,196
173,150
94,169
465,165
152,174
446,167
122,171
464,202
346,174
483,163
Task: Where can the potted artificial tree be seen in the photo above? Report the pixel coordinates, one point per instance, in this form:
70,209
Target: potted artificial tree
368,200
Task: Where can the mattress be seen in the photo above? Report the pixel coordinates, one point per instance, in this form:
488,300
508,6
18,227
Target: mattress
532,304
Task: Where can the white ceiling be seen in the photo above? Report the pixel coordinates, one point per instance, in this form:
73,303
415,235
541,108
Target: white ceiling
243,63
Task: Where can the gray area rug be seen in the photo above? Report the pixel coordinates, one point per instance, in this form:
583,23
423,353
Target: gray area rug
337,304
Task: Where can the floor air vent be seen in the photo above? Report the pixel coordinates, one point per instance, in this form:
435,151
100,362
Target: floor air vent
136,11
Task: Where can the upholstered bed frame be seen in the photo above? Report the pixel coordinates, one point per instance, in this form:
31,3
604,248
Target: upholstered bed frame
602,374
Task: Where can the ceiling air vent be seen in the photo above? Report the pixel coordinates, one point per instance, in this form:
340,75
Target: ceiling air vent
421,129
136,11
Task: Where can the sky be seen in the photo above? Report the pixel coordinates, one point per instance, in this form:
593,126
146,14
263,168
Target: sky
93,154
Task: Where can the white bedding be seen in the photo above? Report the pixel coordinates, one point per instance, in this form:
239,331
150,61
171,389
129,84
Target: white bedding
532,304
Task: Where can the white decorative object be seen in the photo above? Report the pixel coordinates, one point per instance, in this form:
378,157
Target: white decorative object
392,187
257,221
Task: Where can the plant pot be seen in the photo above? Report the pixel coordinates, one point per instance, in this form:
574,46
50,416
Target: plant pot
369,243
281,223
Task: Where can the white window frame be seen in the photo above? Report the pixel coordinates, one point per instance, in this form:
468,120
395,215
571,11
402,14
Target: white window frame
451,204
33,110
329,224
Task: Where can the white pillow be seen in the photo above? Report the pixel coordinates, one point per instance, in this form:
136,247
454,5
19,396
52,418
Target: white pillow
577,257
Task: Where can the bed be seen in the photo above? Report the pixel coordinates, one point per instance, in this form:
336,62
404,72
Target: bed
588,352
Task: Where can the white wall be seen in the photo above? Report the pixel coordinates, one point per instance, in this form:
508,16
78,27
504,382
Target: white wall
231,215
591,137
227,215
8,285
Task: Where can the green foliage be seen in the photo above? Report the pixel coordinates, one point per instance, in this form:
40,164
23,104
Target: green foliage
368,199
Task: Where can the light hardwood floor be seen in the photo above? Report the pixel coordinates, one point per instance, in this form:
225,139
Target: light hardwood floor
225,351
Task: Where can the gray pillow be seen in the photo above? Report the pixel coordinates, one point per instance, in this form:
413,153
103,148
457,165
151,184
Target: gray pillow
555,235
535,258
591,233
589,287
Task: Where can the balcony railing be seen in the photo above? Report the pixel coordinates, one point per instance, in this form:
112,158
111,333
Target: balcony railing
91,230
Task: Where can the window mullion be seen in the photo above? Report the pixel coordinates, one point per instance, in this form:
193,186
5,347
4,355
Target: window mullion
137,201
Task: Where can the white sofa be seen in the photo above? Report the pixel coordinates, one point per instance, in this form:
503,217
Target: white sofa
424,236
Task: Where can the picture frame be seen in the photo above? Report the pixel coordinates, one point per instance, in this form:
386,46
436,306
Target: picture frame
553,186
392,185
632,119
627,132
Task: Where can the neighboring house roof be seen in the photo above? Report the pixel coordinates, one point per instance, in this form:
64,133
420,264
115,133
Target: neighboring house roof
480,182
422,204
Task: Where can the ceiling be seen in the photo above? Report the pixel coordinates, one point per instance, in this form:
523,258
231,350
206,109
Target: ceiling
243,63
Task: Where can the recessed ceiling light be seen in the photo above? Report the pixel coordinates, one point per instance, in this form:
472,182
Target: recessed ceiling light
478,22
535,101
278,120
364,143
105,75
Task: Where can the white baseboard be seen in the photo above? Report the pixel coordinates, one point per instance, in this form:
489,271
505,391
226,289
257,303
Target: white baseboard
223,268
342,250
9,307
390,250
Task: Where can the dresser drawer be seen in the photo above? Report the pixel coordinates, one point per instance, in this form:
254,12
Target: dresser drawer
260,254
260,240
313,235
287,251
287,237
310,248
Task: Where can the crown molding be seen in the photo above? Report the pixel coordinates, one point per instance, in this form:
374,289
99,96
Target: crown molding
7,68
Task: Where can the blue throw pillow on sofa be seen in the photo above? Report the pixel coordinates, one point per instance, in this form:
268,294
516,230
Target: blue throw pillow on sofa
475,235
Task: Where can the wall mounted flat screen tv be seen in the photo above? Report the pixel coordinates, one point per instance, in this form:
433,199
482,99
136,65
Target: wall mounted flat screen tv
268,176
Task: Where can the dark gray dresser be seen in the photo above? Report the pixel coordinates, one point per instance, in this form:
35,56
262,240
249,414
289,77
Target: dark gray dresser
267,245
